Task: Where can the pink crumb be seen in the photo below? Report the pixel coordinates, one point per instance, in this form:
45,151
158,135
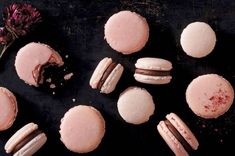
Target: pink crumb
48,80
68,76
52,86
203,126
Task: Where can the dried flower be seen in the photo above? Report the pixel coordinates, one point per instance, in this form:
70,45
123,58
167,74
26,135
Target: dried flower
19,19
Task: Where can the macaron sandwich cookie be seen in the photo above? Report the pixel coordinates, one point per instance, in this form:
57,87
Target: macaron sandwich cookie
8,108
126,32
153,71
26,141
177,135
82,129
198,39
32,59
135,105
106,75
209,96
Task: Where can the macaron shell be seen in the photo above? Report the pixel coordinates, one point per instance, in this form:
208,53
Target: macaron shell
171,140
150,63
126,32
31,58
152,79
98,73
82,129
209,96
112,80
135,110
198,39
19,136
9,108
183,129
33,146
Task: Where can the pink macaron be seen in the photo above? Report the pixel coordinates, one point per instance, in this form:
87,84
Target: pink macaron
126,32
32,59
177,135
82,129
151,70
8,108
135,105
26,141
209,96
106,75
198,39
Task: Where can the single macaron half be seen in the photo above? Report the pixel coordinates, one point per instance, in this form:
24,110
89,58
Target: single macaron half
135,105
198,39
153,70
126,32
8,108
209,96
177,135
26,141
32,59
82,129
106,75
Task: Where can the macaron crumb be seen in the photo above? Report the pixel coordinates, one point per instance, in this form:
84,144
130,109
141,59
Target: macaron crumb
52,86
68,76
203,126
74,100
66,56
48,80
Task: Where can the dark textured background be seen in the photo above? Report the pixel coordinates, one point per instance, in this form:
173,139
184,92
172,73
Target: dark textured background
75,28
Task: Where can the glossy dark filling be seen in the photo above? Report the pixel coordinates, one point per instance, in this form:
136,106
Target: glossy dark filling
152,72
106,74
178,136
26,140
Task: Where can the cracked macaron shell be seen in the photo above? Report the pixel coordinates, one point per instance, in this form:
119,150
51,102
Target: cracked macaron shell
31,59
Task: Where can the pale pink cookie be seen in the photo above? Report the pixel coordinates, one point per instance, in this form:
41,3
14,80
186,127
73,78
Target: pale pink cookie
135,105
82,129
177,135
32,58
198,39
8,108
209,96
126,32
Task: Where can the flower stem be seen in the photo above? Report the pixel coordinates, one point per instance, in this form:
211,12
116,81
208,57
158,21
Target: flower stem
6,46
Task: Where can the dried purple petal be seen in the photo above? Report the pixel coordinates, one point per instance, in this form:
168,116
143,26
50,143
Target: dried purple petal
5,36
20,18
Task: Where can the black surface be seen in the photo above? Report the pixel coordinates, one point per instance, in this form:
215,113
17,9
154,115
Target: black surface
75,28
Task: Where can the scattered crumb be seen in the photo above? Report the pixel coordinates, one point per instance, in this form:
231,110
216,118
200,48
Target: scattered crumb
61,84
68,76
221,140
73,99
48,80
64,69
53,93
203,126
66,56
216,129
52,86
